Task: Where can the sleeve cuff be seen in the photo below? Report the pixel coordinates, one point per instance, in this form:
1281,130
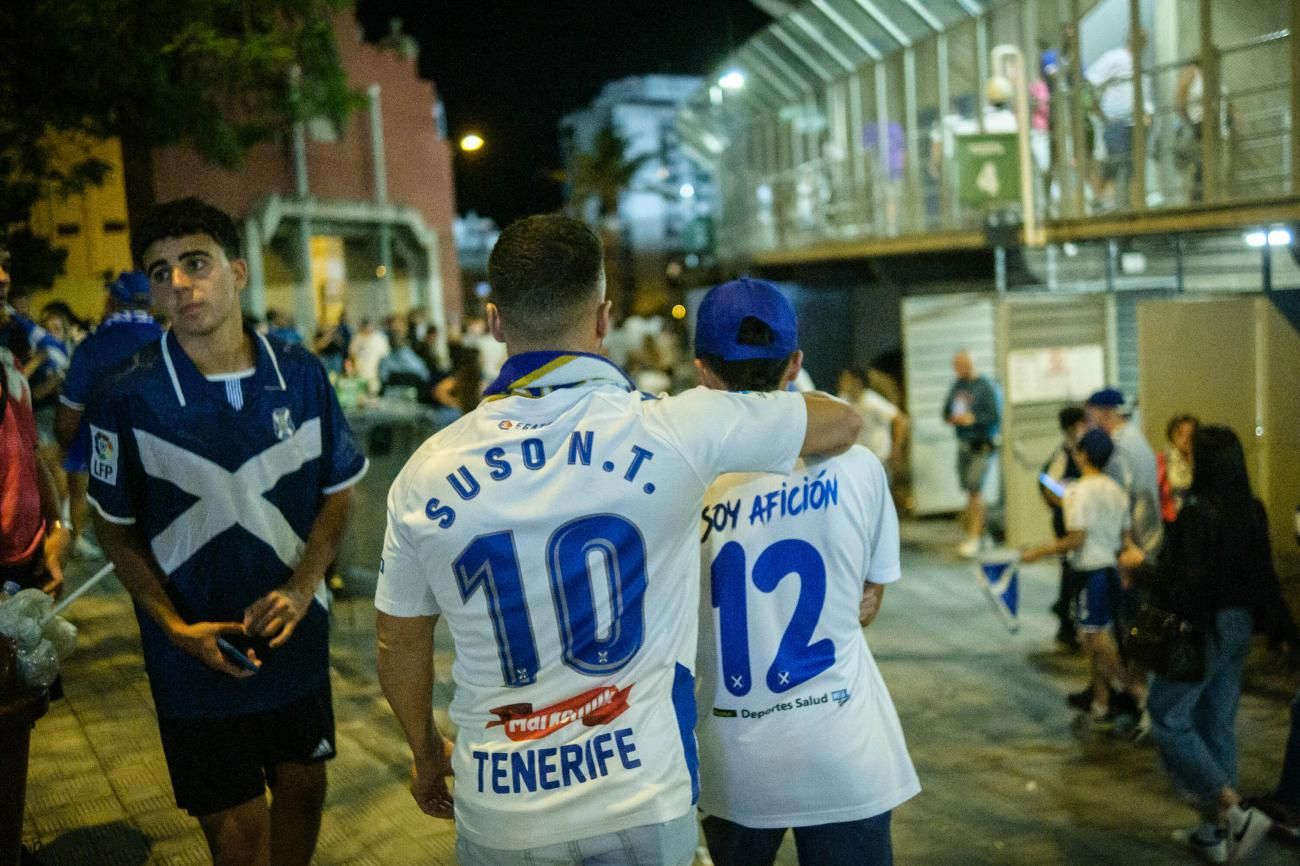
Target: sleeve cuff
344,485
80,407
111,518
886,575
388,606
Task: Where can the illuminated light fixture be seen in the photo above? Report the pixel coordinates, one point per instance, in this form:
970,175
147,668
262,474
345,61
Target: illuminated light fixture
679,312
471,142
381,272
732,80
687,191
1277,237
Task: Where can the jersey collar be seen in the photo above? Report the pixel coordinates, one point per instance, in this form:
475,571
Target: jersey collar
536,374
186,378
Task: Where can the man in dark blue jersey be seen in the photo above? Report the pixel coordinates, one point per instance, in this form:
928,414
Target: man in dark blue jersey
127,327
220,471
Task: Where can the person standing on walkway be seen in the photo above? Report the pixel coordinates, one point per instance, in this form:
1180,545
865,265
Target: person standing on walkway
972,408
1133,466
1215,560
127,327
555,528
33,540
220,472
1096,516
843,764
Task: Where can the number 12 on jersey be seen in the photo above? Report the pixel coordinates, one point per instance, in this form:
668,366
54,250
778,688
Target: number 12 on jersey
797,660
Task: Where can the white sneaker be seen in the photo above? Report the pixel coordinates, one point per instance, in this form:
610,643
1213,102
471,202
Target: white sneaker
1246,829
969,548
1210,850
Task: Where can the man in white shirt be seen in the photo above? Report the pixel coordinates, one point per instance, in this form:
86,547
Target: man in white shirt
797,729
1097,529
554,527
1111,75
882,422
369,348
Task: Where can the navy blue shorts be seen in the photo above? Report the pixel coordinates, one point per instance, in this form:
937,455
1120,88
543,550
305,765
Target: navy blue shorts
1093,606
850,843
217,764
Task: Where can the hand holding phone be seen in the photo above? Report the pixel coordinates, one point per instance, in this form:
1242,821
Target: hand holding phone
1052,485
236,656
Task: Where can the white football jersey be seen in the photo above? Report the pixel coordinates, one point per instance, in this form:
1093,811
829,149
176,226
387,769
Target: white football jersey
558,537
796,725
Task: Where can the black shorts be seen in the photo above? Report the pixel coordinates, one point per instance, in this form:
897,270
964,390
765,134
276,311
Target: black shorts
217,764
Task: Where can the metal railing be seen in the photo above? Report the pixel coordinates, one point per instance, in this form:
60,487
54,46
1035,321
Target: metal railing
869,155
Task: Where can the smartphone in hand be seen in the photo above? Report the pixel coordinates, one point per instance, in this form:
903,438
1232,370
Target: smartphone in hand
236,656
1052,484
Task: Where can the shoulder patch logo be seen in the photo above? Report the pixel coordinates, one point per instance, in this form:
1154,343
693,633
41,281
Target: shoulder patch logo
282,421
323,750
103,458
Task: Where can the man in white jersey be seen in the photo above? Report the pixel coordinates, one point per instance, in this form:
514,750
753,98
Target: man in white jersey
554,528
796,727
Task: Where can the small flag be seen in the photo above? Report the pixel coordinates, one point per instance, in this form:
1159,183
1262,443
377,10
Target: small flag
999,576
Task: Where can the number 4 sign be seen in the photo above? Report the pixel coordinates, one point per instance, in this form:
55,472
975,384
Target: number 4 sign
988,170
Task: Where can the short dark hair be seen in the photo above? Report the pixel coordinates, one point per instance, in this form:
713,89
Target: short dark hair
1097,446
755,374
180,217
1069,416
541,269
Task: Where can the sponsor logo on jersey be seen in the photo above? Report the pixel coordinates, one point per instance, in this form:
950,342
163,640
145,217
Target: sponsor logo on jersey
282,422
598,706
523,425
724,714
103,459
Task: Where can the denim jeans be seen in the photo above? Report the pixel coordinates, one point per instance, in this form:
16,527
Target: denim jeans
1288,786
851,843
671,843
1194,724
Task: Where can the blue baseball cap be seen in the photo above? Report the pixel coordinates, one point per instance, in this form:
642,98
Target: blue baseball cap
724,308
1110,397
130,287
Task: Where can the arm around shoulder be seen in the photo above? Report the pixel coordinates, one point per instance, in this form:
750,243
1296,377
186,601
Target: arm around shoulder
833,425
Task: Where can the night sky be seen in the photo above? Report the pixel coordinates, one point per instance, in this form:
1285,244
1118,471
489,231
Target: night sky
510,70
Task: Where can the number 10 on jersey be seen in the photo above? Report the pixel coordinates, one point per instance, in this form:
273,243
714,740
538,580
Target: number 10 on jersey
490,563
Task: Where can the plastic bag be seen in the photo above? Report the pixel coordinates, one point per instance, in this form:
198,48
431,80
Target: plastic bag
62,634
38,666
23,630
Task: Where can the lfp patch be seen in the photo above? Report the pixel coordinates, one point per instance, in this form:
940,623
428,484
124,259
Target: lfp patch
103,455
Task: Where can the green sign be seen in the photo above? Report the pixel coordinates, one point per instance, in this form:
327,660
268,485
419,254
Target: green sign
988,169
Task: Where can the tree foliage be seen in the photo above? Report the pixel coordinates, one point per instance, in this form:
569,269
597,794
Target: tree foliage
213,74
605,170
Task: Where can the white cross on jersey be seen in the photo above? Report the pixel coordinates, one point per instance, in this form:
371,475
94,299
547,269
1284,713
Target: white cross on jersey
227,499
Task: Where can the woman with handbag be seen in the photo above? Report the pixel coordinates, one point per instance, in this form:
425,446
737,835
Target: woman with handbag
1215,559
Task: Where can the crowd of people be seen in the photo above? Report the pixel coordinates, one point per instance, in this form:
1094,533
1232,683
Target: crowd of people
1166,576
219,470
217,464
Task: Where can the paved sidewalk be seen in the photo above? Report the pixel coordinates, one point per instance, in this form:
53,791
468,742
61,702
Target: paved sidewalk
1006,781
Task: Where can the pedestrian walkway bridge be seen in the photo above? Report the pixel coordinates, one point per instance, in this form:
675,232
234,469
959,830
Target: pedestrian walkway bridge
827,128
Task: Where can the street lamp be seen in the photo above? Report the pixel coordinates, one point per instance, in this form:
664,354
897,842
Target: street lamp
471,143
732,80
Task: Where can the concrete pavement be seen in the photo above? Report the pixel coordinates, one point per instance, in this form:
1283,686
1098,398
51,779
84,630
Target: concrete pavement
1006,781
